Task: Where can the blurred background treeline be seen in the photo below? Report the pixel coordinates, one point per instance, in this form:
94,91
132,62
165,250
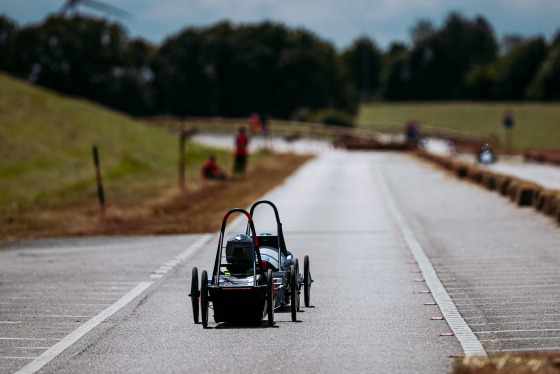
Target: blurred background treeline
233,70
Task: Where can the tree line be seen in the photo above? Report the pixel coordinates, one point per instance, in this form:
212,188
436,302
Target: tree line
233,70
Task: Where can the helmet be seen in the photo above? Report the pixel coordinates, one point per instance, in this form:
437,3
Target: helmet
239,249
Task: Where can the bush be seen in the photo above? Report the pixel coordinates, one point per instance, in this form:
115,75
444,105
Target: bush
334,117
303,115
328,116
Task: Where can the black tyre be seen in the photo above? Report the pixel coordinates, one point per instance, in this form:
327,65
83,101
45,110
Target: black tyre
293,292
195,294
306,281
270,298
204,298
298,284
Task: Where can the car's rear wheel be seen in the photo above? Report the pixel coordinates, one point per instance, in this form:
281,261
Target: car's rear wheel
195,294
306,281
204,298
270,298
293,292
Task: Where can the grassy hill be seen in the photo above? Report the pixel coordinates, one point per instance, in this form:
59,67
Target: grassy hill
47,176
46,149
537,125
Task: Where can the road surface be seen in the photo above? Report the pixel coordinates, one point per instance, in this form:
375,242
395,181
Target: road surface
381,229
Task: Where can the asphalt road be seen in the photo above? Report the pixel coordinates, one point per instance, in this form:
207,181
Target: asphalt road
370,222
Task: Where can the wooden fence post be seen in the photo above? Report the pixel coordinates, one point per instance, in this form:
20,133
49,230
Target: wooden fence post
100,193
182,140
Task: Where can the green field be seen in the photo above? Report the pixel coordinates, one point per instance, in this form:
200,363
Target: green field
46,158
537,125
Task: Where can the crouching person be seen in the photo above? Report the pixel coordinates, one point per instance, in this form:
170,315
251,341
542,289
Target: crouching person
211,170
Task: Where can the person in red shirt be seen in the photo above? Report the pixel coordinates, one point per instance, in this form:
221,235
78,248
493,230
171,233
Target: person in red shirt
241,152
211,170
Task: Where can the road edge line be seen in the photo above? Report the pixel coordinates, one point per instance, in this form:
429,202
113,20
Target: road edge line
468,340
47,356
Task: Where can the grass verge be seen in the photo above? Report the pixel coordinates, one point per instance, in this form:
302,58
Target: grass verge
200,208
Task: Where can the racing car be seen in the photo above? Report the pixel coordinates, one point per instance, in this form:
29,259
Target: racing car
253,275
241,288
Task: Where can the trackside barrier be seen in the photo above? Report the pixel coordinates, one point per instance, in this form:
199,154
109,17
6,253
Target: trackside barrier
519,191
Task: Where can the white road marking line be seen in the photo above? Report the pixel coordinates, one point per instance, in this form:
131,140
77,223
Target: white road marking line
470,343
164,269
511,323
1,338
520,339
513,316
513,297
56,315
505,331
506,303
74,336
520,286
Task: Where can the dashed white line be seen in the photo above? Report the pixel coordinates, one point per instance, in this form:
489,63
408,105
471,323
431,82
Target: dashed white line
64,343
74,336
164,269
470,343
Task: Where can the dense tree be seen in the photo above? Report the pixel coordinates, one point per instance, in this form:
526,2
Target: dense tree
517,69
8,33
481,83
230,70
72,55
546,84
395,76
439,63
263,68
363,61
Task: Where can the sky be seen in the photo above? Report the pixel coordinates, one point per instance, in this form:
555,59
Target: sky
337,21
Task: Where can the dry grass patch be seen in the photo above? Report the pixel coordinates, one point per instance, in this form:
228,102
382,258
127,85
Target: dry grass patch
520,363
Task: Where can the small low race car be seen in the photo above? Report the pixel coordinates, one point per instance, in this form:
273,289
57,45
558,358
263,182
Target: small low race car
252,276
486,155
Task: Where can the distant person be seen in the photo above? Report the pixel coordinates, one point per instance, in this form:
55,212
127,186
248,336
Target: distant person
508,124
412,133
508,119
264,124
241,152
451,149
211,170
255,123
